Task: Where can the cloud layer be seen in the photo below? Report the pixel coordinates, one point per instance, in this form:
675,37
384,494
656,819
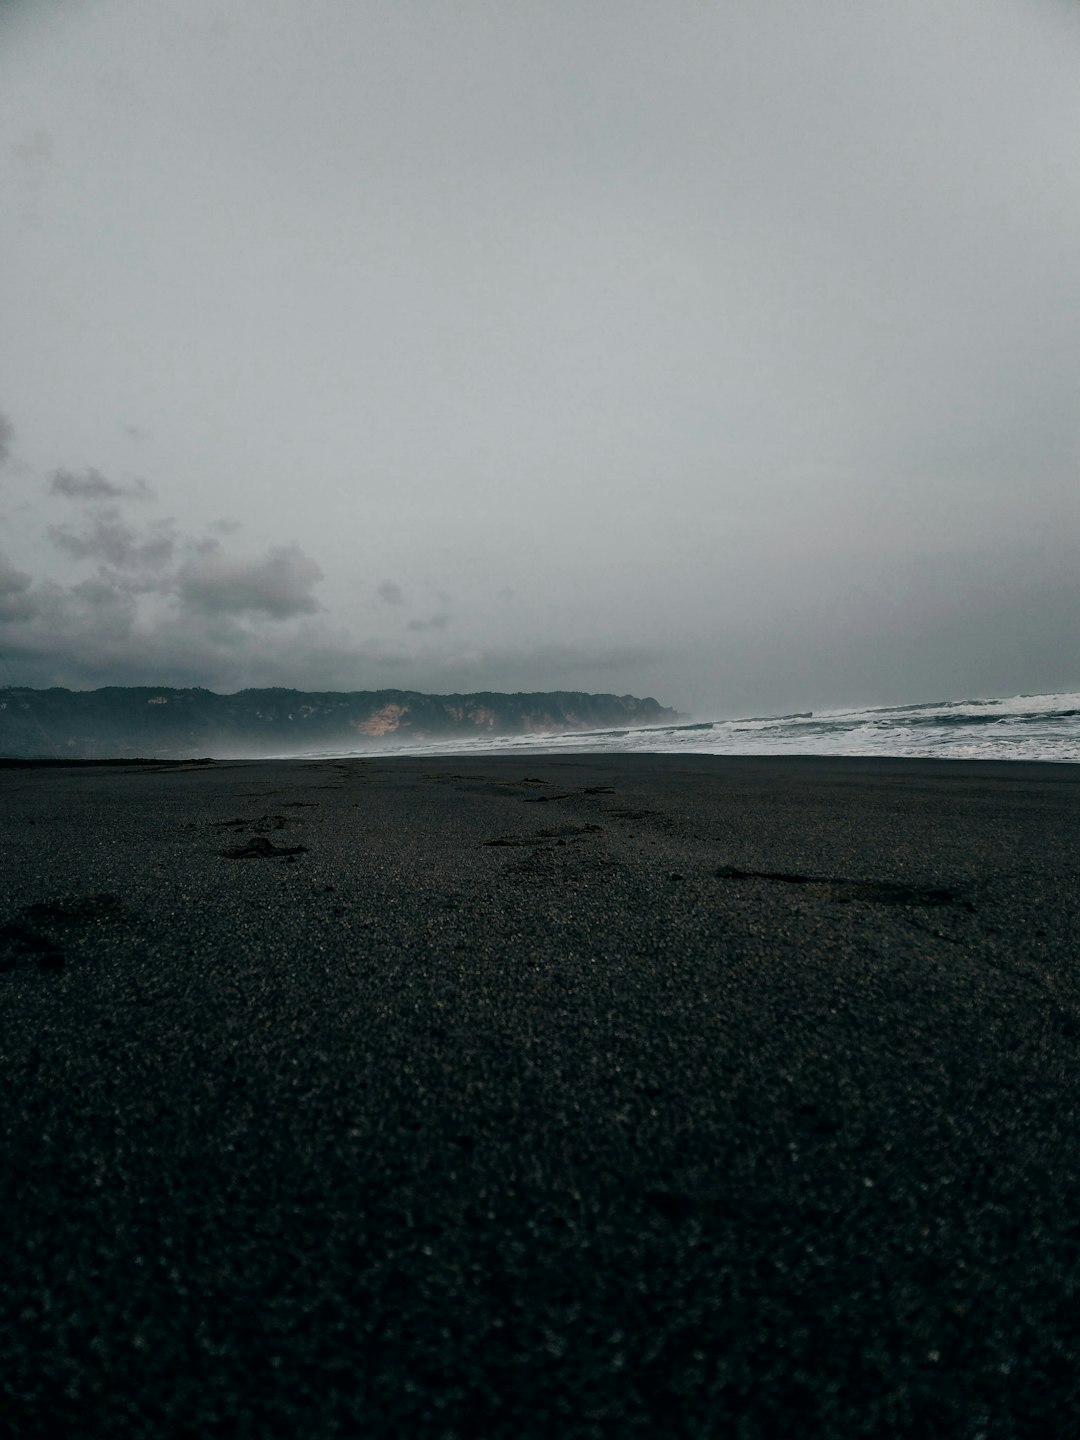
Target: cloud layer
107,537
278,585
156,605
157,601
90,484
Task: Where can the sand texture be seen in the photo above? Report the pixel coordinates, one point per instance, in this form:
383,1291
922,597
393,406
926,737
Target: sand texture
571,1097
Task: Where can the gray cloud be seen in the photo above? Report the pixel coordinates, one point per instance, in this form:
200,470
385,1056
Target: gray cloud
92,635
91,484
229,622
213,618
216,620
108,537
102,604
16,602
7,435
390,592
278,584
43,624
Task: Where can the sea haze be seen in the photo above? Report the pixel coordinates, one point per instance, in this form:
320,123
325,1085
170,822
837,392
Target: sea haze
1022,727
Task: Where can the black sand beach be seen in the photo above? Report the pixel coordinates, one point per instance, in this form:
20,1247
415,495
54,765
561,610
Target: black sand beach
574,1097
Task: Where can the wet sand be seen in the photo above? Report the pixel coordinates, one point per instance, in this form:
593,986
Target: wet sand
582,1096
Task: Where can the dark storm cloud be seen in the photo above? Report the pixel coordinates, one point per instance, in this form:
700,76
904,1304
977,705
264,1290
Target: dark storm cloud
434,622
92,634
390,592
216,619
103,603
278,584
16,602
228,622
163,605
41,621
107,537
91,484
7,435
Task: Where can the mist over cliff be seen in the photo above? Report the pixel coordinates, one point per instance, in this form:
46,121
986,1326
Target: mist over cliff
120,721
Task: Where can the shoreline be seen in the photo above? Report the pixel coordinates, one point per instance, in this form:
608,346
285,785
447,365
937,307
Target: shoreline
577,1094
48,762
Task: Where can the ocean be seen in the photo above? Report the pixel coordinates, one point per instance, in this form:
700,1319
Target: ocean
1022,727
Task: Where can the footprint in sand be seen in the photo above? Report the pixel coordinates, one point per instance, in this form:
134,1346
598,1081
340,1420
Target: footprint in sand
260,848
842,891
540,837
44,932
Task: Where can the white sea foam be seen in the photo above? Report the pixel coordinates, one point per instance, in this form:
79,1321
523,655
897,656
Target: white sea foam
1020,727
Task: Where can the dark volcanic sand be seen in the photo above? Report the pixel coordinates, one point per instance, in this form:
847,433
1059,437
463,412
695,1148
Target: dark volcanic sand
738,1098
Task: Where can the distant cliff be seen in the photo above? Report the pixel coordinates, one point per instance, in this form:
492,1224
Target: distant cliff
128,720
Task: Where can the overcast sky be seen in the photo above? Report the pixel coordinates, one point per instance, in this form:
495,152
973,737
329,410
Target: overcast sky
727,352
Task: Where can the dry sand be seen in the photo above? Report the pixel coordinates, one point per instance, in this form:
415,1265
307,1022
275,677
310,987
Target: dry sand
576,1097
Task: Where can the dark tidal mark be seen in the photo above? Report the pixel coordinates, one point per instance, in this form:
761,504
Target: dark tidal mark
670,1204
558,832
876,892
260,848
567,794
566,831
541,866
261,822
481,785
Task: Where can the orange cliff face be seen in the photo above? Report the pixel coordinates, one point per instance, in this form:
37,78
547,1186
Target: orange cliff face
382,722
